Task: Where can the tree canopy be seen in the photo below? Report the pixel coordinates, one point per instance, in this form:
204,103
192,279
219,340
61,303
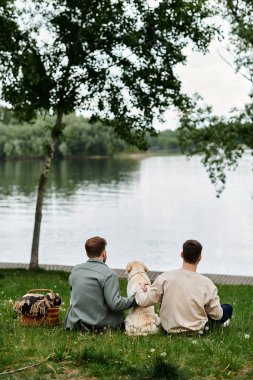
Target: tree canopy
113,59
221,141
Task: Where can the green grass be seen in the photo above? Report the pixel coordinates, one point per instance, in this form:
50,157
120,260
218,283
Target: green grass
220,354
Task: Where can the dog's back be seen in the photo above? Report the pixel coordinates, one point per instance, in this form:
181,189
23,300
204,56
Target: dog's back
140,320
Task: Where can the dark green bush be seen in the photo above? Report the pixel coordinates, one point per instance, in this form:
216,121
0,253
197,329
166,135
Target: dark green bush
23,140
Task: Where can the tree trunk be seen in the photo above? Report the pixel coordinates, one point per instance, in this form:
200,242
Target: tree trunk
56,135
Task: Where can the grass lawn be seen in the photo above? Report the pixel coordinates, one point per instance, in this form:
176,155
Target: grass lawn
53,353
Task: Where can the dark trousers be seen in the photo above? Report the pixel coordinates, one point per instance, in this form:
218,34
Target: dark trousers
227,314
212,323
98,329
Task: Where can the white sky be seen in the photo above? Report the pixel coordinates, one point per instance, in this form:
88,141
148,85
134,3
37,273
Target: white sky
214,80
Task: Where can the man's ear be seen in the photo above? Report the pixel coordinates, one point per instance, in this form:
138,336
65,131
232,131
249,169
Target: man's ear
129,267
200,258
182,255
104,255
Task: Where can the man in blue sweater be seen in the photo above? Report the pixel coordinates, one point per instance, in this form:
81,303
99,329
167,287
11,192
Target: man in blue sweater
95,302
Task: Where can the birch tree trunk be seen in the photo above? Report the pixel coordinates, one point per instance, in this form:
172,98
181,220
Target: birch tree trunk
56,134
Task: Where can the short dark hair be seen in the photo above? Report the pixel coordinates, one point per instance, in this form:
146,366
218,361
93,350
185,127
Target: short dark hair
191,251
95,246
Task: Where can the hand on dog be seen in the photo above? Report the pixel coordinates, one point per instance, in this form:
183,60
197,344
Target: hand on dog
144,287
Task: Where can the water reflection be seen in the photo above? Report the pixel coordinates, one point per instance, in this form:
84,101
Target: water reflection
21,177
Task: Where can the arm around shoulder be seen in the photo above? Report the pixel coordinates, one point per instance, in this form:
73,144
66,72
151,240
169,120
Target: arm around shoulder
112,295
152,296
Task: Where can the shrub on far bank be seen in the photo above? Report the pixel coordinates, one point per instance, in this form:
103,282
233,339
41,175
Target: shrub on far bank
166,141
26,140
81,139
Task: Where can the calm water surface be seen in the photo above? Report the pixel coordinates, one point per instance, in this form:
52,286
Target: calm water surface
144,208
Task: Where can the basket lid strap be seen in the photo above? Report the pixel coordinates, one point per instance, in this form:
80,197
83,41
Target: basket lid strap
42,291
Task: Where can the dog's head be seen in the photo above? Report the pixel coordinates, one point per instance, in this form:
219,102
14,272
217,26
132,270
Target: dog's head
136,266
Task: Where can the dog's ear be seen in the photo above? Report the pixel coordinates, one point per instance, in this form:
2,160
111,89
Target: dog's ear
145,268
129,267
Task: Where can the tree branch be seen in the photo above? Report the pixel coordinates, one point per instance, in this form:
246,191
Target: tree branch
229,63
24,368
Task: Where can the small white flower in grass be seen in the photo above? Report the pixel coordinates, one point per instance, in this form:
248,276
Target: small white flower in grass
152,350
194,341
201,332
207,328
163,354
10,300
246,336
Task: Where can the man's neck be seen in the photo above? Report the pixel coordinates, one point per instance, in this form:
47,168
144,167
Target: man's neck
96,258
190,267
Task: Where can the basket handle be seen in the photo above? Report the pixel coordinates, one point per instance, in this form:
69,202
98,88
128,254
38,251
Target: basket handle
42,291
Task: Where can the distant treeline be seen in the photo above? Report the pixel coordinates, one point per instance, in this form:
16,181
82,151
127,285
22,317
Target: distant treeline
23,140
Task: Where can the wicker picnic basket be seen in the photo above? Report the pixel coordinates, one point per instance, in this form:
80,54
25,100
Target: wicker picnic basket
51,317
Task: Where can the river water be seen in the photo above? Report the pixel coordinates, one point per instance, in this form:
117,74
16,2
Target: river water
145,208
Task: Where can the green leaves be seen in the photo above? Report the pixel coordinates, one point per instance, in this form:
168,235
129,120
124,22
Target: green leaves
115,59
220,141
239,14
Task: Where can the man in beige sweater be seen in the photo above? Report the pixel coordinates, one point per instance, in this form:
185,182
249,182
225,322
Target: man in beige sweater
188,299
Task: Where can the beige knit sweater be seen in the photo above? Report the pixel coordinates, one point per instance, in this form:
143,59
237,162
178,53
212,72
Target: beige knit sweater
187,300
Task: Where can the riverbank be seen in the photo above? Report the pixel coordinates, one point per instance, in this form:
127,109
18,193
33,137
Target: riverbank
83,157
53,353
216,278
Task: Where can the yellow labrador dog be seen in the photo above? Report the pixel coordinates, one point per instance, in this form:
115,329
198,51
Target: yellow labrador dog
140,320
